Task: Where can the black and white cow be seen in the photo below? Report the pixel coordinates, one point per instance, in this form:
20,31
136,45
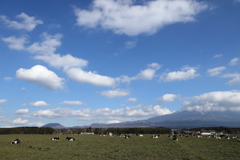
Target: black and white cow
55,138
70,138
16,141
154,136
127,136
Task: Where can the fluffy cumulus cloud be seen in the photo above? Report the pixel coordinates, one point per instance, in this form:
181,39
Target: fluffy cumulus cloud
19,121
81,76
39,104
2,101
105,115
124,16
215,71
22,111
146,74
59,113
185,74
42,76
214,101
235,80
15,43
115,93
136,111
73,103
167,98
28,23
234,61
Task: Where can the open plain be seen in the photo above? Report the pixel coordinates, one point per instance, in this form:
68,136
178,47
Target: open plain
98,147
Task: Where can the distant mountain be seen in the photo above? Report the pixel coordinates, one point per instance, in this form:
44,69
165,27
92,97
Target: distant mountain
176,120
54,125
183,119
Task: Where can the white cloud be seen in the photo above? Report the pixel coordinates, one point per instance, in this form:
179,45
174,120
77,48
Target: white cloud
147,74
48,45
135,111
113,121
59,113
15,43
2,101
215,71
66,61
42,76
124,17
214,101
37,124
73,103
28,23
22,111
103,115
19,121
8,78
234,62
131,100
218,56
130,44
185,74
39,104
235,80
115,93
81,76
167,98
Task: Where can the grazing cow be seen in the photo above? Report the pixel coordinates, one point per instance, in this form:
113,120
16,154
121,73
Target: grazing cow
16,141
217,137
228,137
127,136
110,134
55,138
198,136
154,136
70,138
175,138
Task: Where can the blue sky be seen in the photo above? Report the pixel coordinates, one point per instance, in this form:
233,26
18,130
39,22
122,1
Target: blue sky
109,61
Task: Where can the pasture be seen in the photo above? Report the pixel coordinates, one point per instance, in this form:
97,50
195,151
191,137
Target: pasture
38,147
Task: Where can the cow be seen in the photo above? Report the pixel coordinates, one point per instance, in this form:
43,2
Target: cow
55,138
198,136
70,138
16,141
154,136
175,138
127,136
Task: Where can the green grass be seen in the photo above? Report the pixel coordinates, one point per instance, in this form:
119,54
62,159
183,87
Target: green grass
85,147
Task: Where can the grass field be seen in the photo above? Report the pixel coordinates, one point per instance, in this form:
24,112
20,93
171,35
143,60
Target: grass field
37,147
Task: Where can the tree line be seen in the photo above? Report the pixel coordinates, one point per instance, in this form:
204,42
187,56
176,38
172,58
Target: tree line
27,130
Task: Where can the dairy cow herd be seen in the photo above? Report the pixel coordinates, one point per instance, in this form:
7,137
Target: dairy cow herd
16,141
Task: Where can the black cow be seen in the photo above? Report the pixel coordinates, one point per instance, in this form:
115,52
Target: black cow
16,141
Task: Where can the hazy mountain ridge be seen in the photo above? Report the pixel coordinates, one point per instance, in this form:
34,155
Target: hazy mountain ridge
179,119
